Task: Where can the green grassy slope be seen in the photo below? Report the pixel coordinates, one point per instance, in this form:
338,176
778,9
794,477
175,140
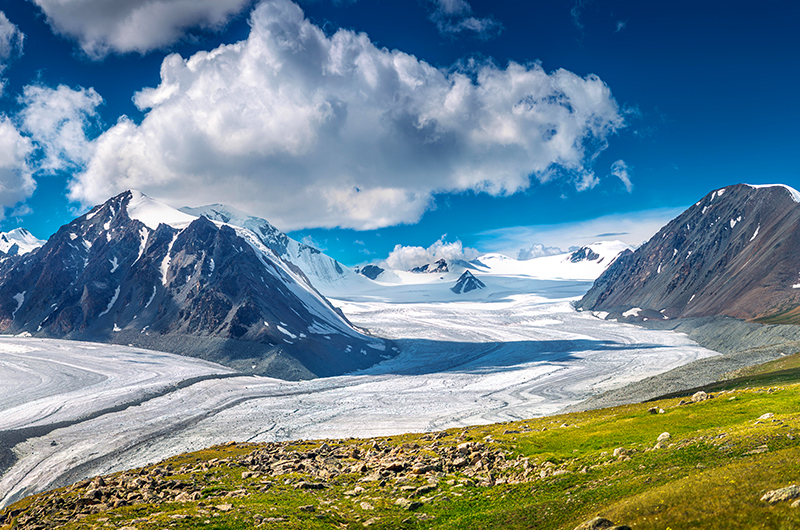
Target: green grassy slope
552,472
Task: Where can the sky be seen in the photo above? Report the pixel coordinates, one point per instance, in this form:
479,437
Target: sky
378,129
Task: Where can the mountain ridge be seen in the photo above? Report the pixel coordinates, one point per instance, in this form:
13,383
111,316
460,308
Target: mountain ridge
736,252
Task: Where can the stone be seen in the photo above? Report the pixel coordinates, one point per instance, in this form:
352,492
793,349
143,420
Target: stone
663,437
766,416
598,523
224,507
366,506
620,451
307,508
783,494
699,396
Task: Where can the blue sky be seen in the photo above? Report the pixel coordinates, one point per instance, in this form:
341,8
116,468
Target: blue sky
366,124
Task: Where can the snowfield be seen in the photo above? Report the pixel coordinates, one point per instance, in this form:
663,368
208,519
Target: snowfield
514,350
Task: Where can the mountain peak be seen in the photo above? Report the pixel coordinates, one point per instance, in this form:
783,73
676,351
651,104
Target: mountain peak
732,253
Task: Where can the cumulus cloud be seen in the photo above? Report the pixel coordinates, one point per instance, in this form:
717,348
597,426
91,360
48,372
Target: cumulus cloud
406,258
113,26
538,250
621,170
57,119
455,16
11,39
315,130
16,180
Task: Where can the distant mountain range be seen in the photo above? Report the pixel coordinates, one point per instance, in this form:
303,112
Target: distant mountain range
18,241
736,252
208,282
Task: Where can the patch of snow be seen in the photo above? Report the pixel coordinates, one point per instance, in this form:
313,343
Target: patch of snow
92,214
111,303
114,264
20,298
72,236
633,312
116,327
755,233
796,286
720,192
143,235
602,315
674,252
211,264
167,258
151,298
659,269
692,298
107,225
287,333
734,221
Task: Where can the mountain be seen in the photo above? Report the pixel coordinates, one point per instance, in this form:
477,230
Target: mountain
135,271
585,263
736,252
18,241
438,267
321,270
370,271
466,283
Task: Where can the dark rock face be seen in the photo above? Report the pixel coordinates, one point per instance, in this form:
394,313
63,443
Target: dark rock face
734,253
433,268
371,271
466,283
584,254
203,291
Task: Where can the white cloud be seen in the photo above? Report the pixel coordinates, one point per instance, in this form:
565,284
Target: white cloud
621,170
537,250
406,258
16,181
57,119
633,228
115,26
620,25
311,130
11,39
456,16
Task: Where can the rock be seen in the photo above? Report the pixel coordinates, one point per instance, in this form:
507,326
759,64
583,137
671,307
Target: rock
653,410
224,507
310,485
366,506
598,523
663,437
699,396
307,508
766,416
783,494
620,451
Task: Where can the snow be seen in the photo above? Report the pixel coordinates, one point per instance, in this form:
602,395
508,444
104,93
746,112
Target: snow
150,301
755,233
111,303
287,332
24,240
20,298
720,192
152,212
793,192
143,236
165,263
633,312
114,264
734,221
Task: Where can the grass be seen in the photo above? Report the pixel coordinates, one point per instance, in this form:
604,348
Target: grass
712,472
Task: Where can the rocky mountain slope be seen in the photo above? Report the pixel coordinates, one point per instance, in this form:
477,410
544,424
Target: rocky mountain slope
134,271
736,253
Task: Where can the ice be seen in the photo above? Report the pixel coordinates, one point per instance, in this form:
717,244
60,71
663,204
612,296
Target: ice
152,213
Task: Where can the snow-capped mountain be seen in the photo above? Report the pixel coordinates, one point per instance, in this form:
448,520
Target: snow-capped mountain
466,283
18,241
736,252
321,270
586,263
136,271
